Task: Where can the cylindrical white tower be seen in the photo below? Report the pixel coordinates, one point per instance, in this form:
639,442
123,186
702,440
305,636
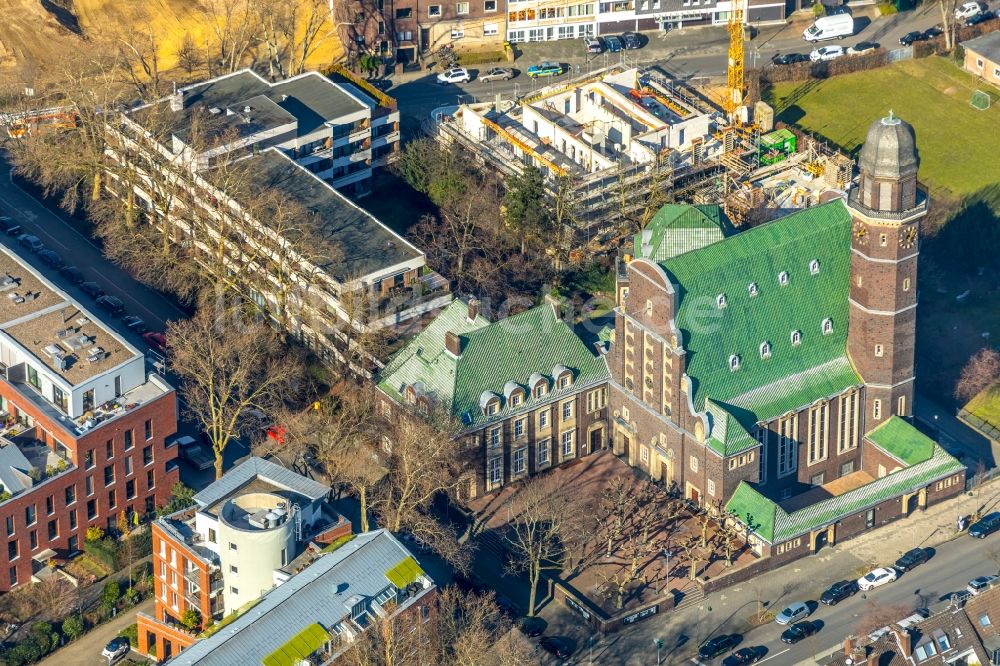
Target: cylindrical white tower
256,536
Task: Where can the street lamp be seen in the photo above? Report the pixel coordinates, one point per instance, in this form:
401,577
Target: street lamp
658,642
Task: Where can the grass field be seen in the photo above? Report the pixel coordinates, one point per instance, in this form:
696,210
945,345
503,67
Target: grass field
959,149
958,145
986,406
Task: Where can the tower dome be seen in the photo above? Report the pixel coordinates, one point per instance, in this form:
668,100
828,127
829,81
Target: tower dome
889,150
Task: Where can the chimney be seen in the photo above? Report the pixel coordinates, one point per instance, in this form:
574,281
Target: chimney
903,638
177,99
453,344
848,646
473,309
873,657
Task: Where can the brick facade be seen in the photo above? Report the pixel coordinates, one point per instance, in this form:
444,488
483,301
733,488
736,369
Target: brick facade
67,503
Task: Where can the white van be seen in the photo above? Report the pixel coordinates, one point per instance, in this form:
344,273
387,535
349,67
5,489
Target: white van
830,27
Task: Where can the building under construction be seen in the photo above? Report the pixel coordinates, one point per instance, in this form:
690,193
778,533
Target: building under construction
620,130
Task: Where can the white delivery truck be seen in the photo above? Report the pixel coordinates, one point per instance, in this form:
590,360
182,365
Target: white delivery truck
830,27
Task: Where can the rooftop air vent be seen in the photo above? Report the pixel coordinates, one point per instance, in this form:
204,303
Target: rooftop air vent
8,282
16,297
64,333
215,110
247,109
81,321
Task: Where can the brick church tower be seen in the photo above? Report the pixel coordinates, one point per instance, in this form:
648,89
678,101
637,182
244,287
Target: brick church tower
887,208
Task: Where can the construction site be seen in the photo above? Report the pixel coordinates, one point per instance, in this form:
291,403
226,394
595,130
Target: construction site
621,142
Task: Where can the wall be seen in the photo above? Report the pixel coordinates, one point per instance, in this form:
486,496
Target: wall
989,71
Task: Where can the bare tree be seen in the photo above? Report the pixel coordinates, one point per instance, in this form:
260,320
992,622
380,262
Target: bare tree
636,554
231,371
980,372
693,554
615,512
189,56
234,27
540,513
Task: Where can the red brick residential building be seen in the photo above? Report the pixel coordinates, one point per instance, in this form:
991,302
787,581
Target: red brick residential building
84,424
248,531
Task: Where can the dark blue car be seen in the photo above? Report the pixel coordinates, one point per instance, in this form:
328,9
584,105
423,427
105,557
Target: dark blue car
986,526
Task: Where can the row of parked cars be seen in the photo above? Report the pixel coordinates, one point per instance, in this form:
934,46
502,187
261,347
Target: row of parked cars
824,53
613,43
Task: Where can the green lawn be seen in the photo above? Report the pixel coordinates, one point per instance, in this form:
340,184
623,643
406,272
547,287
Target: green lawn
986,406
959,146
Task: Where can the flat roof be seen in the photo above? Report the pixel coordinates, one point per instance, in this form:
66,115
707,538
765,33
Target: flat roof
50,325
353,242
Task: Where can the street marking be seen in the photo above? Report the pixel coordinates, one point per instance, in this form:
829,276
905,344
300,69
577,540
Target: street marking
772,656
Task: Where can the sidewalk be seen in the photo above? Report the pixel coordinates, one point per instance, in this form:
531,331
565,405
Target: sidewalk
726,610
87,649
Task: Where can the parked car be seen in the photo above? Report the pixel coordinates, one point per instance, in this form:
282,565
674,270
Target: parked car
593,45
909,38
194,452
982,17
31,242
796,611
111,304
747,655
134,323
838,592
713,647
876,578
798,631
454,75
789,58
912,558
71,273
979,583
614,44
967,10
116,649
156,341
50,258
985,526
824,53
545,69
532,627
862,47
9,226
931,33
497,74
559,647
92,289
631,40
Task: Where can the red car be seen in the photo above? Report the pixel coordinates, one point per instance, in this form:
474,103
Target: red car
156,341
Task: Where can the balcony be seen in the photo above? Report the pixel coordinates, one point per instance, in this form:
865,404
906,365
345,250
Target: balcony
37,462
918,209
385,139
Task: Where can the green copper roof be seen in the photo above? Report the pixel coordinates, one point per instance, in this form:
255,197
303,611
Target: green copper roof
727,436
902,441
793,375
510,350
404,573
776,525
680,228
298,647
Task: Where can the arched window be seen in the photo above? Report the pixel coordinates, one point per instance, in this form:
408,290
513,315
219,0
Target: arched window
720,301
814,267
796,338
734,362
752,289
827,326
765,350
783,278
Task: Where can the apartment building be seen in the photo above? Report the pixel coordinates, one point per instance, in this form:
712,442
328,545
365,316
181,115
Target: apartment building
84,424
286,144
243,536
529,390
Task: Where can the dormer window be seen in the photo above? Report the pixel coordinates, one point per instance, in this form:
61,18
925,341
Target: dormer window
720,301
827,326
783,278
765,350
492,407
540,389
814,267
564,381
562,375
515,399
489,402
752,289
734,362
796,338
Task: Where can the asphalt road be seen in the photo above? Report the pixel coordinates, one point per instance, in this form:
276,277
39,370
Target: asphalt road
688,54
928,586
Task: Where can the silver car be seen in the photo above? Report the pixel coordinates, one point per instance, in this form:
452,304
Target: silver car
496,74
793,613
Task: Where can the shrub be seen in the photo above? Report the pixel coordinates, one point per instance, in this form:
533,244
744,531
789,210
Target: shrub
94,533
887,8
112,593
819,9
131,632
131,596
4,496
191,619
481,57
73,627
104,551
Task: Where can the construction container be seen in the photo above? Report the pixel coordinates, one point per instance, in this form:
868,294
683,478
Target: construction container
776,146
763,116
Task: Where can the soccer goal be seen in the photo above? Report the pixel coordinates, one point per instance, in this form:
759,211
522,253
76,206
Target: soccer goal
980,100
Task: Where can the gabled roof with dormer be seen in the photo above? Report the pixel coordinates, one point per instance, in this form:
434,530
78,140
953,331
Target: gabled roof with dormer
680,228
517,349
776,284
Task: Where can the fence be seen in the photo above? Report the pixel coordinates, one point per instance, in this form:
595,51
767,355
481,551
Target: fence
902,53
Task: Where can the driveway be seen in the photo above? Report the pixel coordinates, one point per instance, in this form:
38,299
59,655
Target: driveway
86,651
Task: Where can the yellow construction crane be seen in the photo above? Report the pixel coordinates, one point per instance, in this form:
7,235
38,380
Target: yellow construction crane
735,83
